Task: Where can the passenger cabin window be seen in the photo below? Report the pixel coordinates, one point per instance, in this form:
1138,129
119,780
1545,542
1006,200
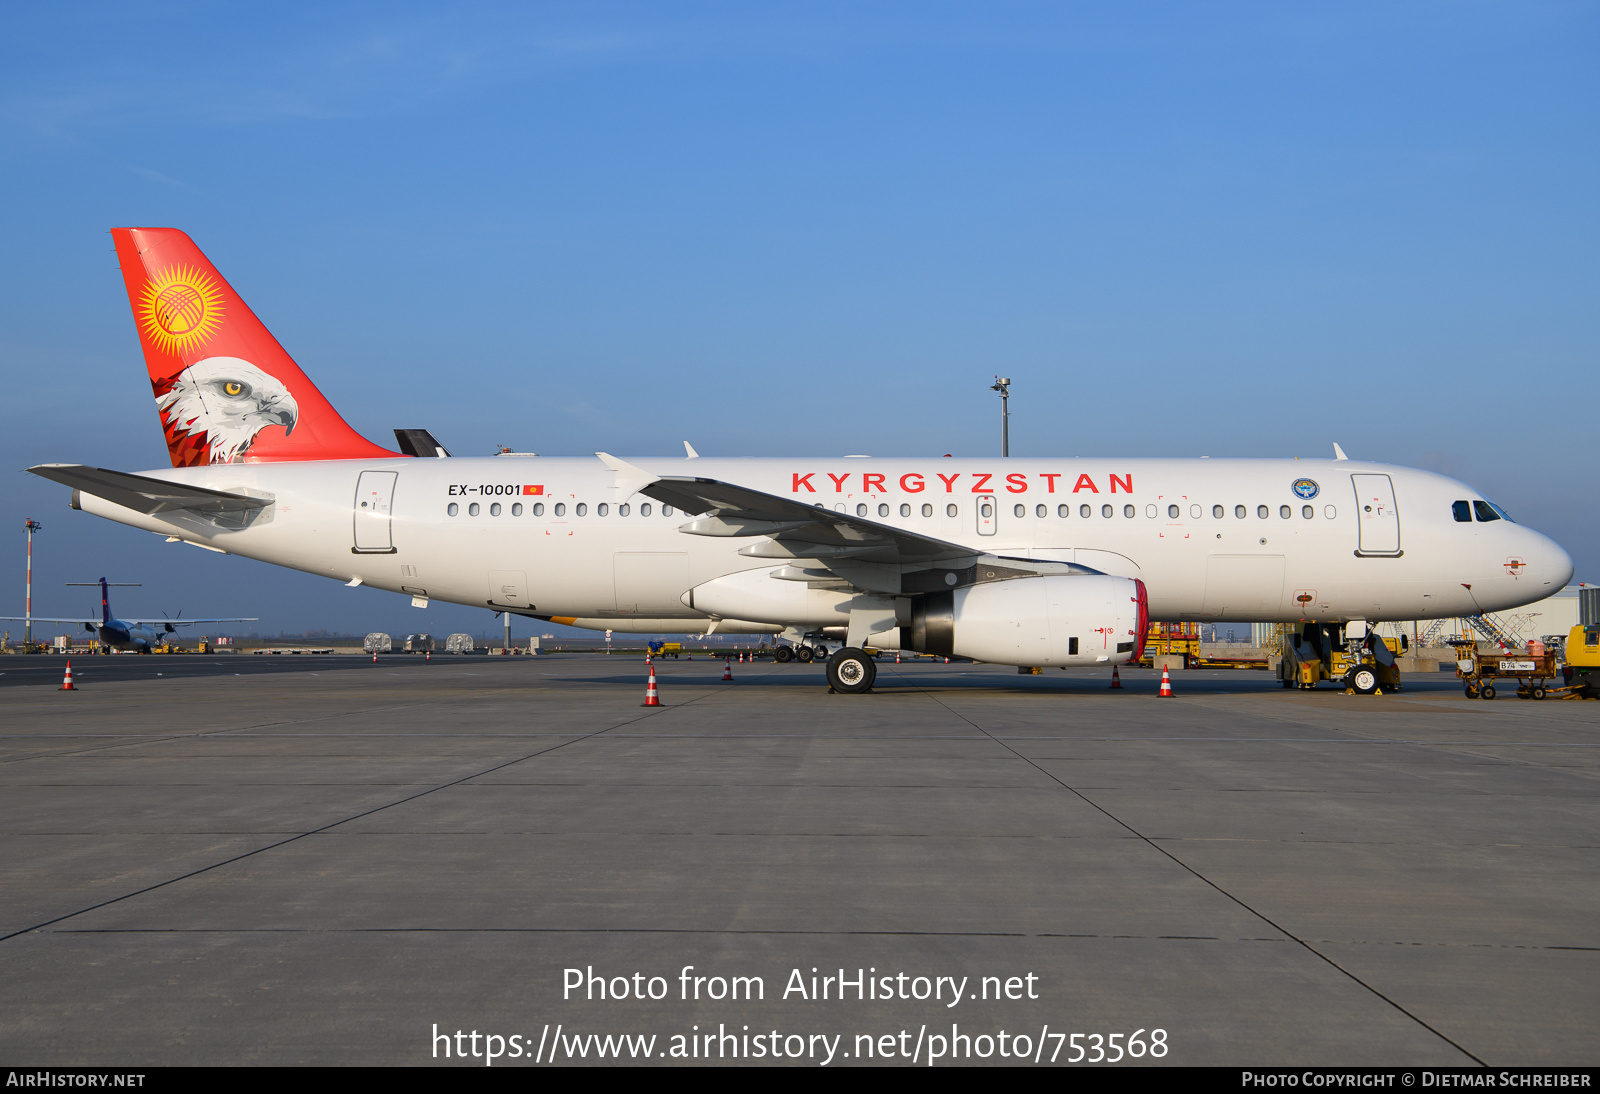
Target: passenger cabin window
582,509
1019,511
644,509
561,508
538,508
453,509
927,509
622,510
1308,512
516,508
1084,510
1238,511
905,510
1041,511
1127,510
883,510
1105,510
1063,510
950,510
494,509
602,509
1216,511
1172,512
1262,511
1462,511
1285,512
1485,511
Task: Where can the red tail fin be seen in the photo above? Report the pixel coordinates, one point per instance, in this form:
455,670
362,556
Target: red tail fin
226,391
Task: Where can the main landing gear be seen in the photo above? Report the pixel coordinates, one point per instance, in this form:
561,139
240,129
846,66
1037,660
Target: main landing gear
804,654
852,671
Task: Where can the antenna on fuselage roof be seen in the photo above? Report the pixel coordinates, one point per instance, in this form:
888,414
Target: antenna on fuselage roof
1338,453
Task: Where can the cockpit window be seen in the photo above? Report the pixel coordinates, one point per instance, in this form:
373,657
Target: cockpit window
1463,511
1488,510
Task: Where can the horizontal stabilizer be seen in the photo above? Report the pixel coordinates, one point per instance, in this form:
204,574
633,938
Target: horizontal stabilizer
146,495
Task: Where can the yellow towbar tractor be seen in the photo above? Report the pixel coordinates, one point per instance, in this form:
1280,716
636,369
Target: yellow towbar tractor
1351,654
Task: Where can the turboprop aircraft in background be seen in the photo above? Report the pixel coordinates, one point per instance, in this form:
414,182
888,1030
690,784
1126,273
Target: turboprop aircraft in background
137,635
1022,561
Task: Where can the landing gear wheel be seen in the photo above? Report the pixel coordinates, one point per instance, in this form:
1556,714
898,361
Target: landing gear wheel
1487,692
783,654
804,655
1538,692
851,671
1362,680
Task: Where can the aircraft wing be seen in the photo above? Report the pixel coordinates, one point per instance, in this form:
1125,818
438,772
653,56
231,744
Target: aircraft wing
42,619
146,495
163,621
800,530
867,554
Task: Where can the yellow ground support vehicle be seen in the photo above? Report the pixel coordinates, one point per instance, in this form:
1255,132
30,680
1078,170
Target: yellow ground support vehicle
1535,670
1172,640
1581,653
1314,652
1479,671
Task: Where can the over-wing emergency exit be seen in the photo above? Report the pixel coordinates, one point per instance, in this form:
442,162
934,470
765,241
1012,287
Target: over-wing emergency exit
1021,561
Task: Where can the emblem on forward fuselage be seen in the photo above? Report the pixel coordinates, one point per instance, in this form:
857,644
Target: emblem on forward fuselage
1305,489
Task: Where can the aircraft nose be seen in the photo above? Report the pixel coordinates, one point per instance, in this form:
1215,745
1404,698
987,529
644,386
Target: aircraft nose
1550,562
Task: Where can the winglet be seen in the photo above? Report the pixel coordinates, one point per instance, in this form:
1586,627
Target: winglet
630,479
1338,453
689,452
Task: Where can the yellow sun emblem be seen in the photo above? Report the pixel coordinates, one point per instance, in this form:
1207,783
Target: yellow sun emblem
180,307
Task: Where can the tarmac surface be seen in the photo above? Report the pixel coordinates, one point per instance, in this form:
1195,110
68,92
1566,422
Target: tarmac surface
324,860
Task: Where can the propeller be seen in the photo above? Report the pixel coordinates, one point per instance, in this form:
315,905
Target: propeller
170,623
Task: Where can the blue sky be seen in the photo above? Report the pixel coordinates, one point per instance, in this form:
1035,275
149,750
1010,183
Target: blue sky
809,228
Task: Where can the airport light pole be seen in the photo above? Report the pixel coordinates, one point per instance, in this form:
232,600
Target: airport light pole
27,633
1002,384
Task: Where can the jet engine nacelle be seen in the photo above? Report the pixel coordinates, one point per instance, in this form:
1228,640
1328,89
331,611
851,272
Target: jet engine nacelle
1060,620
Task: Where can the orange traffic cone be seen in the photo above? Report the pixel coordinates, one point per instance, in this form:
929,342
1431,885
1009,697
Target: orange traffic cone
1116,679
374,657
727,669
66,681
428,656
897,657
651,697
947,660
1166,684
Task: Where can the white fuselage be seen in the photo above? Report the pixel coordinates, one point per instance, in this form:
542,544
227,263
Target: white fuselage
1319,552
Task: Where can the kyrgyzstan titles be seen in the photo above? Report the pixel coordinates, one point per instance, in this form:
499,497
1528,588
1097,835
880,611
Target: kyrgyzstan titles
959,482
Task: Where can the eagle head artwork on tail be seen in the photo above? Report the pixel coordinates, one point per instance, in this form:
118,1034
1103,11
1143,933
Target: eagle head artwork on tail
226,391
221,404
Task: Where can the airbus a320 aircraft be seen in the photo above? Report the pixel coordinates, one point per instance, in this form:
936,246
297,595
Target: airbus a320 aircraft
128,635
1028,562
